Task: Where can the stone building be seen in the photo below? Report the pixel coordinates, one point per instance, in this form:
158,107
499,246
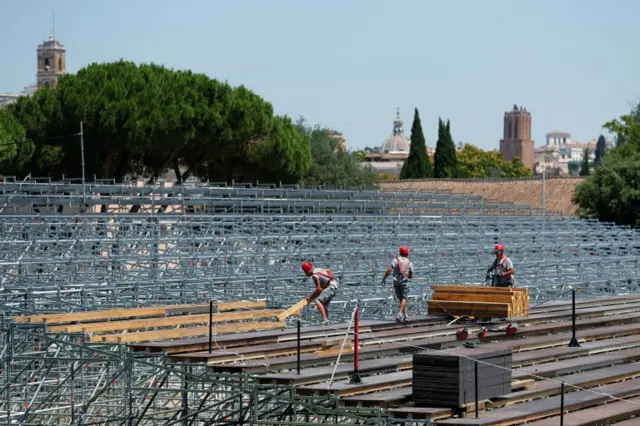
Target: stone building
516,141
52,62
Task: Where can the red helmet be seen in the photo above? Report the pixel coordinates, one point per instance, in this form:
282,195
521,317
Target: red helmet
307,267
404,251
498,247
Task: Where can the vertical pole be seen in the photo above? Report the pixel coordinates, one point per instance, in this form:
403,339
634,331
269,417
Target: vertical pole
574,341
475,381
562,404
298,348
355,377
544,191
82,157
210,323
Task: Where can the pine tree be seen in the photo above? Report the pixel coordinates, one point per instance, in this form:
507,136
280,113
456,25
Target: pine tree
417,165
445,156
584,170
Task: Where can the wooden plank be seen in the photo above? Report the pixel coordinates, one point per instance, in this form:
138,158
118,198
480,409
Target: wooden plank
390,397
587,379
320,374
558,368
186,332
371,384
564,352
136,324
108,314
473,297
432,413
471,308
539,409
292,310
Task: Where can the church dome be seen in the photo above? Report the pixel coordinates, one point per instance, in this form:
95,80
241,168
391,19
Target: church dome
397,142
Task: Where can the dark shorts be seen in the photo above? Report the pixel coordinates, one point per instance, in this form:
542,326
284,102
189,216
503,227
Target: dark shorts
505,283
326,296
402,290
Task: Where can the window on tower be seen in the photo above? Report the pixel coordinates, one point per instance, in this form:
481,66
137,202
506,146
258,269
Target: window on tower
60,64
46,63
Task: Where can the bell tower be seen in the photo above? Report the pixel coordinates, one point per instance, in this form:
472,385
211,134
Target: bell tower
52,62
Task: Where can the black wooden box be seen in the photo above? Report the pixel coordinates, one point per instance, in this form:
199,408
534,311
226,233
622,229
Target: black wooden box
448,379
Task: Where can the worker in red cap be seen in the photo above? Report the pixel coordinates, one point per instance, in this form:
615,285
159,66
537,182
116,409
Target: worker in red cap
503,267
326,288
402,269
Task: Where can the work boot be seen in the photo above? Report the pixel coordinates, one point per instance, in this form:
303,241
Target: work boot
399,318
325,322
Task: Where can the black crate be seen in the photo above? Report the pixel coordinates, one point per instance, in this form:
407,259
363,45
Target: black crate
448,379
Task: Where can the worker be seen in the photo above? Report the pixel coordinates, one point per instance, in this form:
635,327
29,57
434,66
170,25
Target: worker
402,269
503,267
326,288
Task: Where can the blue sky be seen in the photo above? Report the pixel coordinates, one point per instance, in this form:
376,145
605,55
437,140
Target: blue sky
349,64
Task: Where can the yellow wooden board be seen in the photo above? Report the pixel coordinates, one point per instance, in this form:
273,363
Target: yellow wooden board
292,310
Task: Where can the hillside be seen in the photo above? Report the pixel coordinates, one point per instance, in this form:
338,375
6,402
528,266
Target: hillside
519,191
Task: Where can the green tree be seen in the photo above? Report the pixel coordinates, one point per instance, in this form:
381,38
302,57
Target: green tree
612,192
417,165
474,162
445,163
601,149
15,149
584,169
330,165
283,156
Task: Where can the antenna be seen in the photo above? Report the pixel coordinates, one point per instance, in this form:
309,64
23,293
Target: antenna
54,26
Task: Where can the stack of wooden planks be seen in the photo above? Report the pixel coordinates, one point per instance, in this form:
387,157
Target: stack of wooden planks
161,322
479,302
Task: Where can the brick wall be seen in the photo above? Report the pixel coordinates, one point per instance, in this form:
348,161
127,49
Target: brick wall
518,191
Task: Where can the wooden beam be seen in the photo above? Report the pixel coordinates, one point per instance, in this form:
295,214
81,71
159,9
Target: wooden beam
186,332
292,310
136,324
108,314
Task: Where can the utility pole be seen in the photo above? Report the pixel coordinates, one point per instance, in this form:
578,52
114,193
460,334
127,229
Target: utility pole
82,157
544,191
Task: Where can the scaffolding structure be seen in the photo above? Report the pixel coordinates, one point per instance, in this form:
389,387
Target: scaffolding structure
68,247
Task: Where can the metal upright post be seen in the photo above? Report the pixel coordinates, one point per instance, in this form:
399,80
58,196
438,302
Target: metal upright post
82,157
210,323
355,377
562,404
476,386
298,347
544,192
574,341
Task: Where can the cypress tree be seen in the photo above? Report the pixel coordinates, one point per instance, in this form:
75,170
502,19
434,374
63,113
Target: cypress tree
584,170
445,156
417,165
601,149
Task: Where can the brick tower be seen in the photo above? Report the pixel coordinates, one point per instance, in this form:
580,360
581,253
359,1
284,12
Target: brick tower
517,136
52,62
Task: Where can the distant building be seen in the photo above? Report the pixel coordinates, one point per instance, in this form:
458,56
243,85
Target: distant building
516,141
52,63
561,149
393,152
